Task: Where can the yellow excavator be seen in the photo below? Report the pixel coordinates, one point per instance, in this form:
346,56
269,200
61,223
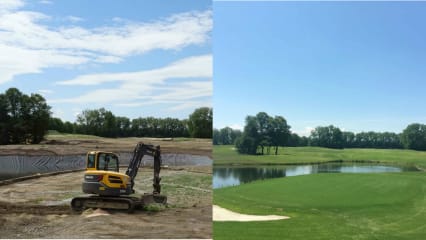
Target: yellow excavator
111,189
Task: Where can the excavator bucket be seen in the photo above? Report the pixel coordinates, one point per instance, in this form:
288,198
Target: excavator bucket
153,198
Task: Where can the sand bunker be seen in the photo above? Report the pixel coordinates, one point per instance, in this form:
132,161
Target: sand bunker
221,215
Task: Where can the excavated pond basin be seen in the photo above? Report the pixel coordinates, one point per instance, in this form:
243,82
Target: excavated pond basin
22,165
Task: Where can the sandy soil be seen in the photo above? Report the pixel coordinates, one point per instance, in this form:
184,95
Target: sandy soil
70,144
221,214
39,208
171,223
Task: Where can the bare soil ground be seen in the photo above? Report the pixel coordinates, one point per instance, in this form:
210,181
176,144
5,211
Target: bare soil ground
39,208
67,144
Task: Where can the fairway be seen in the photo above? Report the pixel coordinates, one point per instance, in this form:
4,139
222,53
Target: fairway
227,155
329,206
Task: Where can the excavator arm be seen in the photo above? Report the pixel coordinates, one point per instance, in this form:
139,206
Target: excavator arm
139,152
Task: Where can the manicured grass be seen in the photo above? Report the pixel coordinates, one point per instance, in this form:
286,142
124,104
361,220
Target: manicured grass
227,155
329,206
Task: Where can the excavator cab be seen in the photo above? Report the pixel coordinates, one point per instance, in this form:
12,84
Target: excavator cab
105,161
102,175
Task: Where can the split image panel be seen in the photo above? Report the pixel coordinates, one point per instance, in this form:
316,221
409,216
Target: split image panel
318,127
107,128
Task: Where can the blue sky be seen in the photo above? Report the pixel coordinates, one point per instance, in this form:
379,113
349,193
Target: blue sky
360,66
135,58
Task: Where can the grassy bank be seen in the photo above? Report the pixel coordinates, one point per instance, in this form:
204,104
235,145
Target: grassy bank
55,135
226,155
329,206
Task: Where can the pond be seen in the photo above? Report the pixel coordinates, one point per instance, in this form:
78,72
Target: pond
22,165
232,176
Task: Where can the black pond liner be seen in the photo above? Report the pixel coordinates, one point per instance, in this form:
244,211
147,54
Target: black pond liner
231,176
22,165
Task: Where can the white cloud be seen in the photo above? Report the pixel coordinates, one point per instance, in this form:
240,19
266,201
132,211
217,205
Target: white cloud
45,2
189,105
6,5
108,59
15,61
151,87
45,91
27,34
197,66
74,19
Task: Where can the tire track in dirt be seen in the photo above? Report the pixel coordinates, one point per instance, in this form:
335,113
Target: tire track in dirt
7,208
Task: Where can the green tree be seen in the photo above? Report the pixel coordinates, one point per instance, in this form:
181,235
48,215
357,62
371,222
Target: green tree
348,139
56,124
24,119
123,126
226,137
249,141
15,126
279,132
263,131
330,137
69,127
37,118
236,133
414,136
4,120
295,140
246,144
200,123
99,122
216,137
108,124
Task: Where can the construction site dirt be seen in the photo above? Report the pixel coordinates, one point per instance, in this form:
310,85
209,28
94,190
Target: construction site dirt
69,144
39,207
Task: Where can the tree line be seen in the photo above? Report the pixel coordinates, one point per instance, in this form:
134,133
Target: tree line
333,137
27,118
103,123
261,132
225,136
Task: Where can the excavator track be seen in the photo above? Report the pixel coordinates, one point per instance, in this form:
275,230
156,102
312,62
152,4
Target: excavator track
128,204
122,203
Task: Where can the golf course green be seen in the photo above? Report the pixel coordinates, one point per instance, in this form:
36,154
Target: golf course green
330,205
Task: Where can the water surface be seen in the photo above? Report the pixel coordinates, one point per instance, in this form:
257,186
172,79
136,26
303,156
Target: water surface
231,176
